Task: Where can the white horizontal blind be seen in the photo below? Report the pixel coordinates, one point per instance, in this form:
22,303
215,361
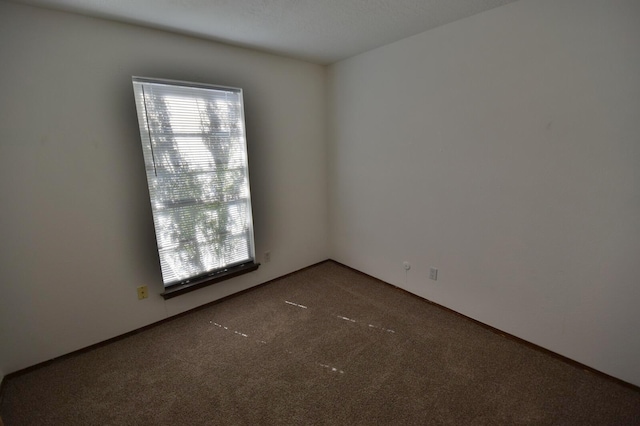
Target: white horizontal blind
194,145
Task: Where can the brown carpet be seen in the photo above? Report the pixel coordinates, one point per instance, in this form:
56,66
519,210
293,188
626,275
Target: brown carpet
325,345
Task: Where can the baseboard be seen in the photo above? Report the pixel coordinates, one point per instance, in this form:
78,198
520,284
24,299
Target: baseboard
1,393
506,335
146,327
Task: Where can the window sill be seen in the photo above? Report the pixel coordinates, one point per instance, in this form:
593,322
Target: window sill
178,289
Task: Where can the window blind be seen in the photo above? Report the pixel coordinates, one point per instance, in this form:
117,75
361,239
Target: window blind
194,147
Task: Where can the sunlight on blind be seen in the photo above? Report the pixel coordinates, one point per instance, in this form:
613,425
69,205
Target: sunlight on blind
194,147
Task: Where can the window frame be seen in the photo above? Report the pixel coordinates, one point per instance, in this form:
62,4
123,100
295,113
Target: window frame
231,269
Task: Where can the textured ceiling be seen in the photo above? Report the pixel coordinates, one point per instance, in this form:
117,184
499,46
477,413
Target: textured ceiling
321,31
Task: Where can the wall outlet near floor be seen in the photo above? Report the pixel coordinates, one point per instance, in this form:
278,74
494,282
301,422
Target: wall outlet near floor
433,274
267,256
143,292
406,265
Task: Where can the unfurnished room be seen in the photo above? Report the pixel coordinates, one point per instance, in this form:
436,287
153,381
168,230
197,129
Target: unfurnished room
328,212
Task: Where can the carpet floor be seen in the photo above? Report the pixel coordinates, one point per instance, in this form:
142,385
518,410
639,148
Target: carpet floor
323,346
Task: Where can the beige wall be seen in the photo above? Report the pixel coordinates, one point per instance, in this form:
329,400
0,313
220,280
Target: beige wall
503,149
76,222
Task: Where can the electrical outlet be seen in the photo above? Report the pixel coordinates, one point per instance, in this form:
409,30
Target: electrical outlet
267,256
406,265
143,292
433,274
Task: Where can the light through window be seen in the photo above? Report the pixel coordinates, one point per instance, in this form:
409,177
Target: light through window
194,146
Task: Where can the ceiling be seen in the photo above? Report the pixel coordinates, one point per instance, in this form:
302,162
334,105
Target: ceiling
320,31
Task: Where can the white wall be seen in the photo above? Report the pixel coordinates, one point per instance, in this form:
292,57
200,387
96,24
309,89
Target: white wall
76,230
503,149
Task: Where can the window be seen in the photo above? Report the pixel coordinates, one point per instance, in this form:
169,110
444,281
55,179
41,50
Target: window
194,146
